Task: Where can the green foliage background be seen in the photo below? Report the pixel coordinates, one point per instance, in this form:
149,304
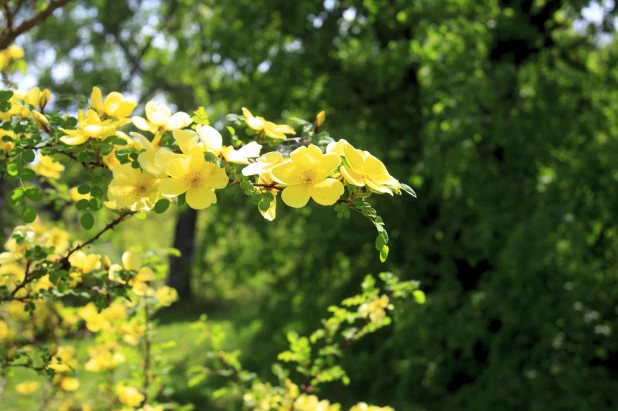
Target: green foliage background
500,114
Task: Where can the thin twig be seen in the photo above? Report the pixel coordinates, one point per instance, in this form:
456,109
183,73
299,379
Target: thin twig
30,23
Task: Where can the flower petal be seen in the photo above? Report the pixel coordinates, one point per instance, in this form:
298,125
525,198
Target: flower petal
286,173
352,176
158,114
74,140
211,138
373,166
327,192
378,187
179,120
141,123
199,198
328,165
177,166
217,177
306,157
172,187
353,157
96,100
187,140
296,196
131,261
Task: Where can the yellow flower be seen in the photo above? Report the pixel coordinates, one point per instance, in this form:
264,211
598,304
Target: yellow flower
130,396
154,157
132,188
213,143
15,52
69,384
363,406
132,261
64,360
307,175
95,321
85,262
132,333
6,146
263,164
269,129
115,105
166,296
27,387
191,174
159,119
47,167
104,357
33,97
40,120
375,310
364,169
337,147
90,126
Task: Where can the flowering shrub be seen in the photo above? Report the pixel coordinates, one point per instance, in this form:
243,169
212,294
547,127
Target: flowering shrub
53,292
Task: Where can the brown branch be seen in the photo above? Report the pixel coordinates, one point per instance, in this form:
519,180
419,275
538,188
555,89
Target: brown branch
30,23
109,226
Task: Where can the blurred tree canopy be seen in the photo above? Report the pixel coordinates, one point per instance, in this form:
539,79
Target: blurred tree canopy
501,114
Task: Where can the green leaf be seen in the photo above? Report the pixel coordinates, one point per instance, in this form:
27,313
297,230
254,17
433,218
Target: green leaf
380,243
209,157
5,106
82,204
264,206
28,156
28,214
17,196
384,253
34,194
419,296
96,192
87,221
161,206
12,169
106,149
181,199
95,204
408,190
5,95
83,189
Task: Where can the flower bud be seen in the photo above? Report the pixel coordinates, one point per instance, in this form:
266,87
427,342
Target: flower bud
53,349
320,118
41,120
44,99
107,263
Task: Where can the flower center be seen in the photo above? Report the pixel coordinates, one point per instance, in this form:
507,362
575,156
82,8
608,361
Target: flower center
308,177
141,190
194,178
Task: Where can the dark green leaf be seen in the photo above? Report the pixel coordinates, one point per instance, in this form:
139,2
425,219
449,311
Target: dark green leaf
161,206
28,214
87,221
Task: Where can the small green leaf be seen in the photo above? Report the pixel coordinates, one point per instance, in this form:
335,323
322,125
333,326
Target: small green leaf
161,206
28,156
181,200
12,169
96,192
380,243
95,204
384,253
209,157
419,296
28,214
34,194
5,106
264,206
17,196
83,189
82,204
87,221
408,190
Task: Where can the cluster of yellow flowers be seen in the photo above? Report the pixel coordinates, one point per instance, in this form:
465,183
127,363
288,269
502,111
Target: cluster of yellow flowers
9,55
265,397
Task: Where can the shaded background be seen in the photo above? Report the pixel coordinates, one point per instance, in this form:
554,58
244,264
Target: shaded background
501,114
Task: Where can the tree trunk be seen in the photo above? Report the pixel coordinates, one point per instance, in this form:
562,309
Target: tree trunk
184,240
